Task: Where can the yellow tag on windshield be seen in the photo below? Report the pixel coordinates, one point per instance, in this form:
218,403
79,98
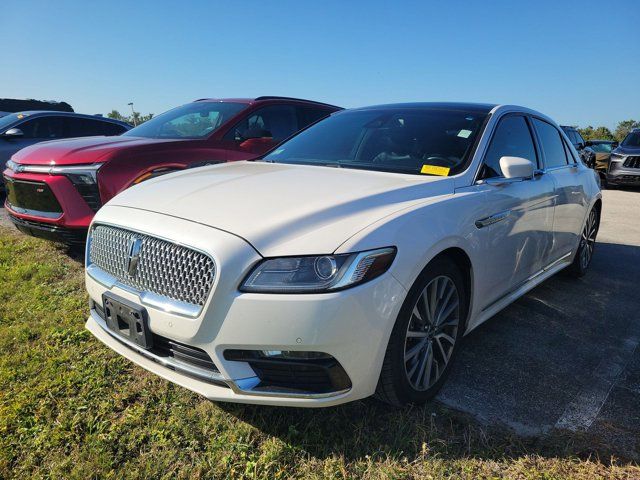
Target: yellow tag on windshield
435,170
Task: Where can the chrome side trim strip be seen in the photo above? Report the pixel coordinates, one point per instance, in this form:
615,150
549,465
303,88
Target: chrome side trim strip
529,279
498,217
249,386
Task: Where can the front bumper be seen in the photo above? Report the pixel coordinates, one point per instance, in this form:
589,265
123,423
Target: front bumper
70,236
624,176
66,210
352,326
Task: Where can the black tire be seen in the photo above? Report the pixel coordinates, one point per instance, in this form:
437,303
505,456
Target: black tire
586,248
394,386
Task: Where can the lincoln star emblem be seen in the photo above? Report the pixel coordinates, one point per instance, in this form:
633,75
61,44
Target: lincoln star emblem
135,245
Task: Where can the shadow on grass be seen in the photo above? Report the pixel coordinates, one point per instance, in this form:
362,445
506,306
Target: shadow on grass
370,429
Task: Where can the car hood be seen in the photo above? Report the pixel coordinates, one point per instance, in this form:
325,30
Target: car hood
283,209
84,150
621,150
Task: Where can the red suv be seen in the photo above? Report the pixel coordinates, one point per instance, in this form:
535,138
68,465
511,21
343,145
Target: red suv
55,188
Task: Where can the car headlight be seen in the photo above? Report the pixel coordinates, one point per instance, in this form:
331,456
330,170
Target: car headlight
317,274
616,157
11,165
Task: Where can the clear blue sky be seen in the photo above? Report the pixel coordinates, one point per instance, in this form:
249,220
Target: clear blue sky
577,61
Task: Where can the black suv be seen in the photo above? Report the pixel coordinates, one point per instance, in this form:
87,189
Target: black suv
624,166
587,155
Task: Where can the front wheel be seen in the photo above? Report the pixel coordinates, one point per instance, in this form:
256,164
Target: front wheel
587,244
425,337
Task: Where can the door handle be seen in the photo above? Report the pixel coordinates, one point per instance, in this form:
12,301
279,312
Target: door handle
498,217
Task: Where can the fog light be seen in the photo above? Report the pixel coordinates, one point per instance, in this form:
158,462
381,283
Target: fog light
294,371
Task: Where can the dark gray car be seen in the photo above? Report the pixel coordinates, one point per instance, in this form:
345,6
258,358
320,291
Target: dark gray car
19,130
624,166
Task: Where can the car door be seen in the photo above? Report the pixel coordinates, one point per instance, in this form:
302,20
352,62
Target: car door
571,199
515,230
34,130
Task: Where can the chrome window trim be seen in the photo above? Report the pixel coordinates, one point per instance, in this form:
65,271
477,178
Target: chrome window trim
149,299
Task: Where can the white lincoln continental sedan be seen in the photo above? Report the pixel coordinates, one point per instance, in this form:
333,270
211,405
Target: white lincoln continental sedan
349,261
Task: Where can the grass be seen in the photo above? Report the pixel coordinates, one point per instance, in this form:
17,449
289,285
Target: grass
71,408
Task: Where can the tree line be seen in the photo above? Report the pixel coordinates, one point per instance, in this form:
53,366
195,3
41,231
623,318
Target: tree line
136,118
603,133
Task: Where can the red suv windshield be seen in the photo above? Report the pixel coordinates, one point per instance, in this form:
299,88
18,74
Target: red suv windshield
193,120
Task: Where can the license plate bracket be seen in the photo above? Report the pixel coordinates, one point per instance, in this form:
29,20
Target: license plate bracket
127,320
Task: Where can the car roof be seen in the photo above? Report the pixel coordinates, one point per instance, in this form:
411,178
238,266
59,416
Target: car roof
250,101
466,106
35,113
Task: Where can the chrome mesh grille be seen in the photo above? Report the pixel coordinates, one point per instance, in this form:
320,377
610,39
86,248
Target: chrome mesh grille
163,268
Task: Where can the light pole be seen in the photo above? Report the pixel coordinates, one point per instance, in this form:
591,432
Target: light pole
133,114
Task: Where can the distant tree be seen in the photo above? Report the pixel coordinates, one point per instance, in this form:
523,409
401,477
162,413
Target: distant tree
599,133
135,119
116,115
625,127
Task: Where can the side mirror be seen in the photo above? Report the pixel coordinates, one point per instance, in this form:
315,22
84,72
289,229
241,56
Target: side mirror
580,146
13,133
516,168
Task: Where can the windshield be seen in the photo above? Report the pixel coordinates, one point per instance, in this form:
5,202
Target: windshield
632,140
411,140
602,147
10,119
193,120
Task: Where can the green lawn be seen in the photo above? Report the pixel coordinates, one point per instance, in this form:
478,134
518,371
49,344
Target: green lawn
70,408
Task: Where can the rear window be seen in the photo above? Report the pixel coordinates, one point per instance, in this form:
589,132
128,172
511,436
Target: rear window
552,145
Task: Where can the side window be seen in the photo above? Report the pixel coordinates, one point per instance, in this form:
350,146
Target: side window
47,128
85,127
309,115
108,128
552,145
512,138
278,120
572,136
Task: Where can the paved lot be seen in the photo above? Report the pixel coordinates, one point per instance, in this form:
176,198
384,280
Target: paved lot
566,355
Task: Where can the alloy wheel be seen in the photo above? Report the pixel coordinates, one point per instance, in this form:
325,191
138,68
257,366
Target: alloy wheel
431,333
588,239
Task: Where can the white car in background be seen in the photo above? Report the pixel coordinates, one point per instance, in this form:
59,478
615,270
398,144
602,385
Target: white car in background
347,262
